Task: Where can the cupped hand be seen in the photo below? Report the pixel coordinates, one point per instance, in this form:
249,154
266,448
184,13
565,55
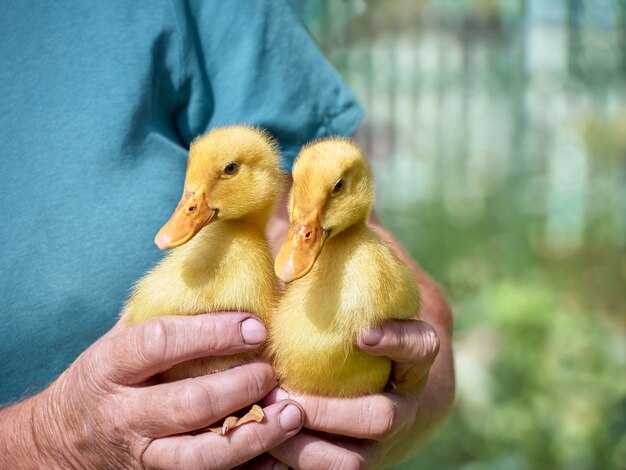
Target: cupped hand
362,432
105,411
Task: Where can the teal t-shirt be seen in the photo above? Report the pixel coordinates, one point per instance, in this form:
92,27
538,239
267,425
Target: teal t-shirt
98,104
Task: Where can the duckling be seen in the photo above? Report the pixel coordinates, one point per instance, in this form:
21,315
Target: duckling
222,260
341,278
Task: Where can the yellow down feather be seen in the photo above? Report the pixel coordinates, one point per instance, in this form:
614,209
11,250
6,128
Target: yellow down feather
356,282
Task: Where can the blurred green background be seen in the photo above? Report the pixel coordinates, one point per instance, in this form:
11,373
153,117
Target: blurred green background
497,130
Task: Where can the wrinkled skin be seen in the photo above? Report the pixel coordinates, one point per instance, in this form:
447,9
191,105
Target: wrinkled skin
106,412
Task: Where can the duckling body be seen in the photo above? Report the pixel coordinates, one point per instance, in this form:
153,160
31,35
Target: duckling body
222,260
226,267
355,283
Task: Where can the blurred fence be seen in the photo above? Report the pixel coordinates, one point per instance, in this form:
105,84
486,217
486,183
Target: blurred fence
466,97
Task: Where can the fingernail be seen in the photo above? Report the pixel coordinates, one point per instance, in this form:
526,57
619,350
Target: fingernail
290,418
252,331
372,337
281,394
280,466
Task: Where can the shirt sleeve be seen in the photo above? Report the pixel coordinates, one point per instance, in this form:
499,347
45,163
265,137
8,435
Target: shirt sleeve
254,62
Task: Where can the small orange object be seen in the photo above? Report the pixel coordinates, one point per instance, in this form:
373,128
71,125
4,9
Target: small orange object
255,414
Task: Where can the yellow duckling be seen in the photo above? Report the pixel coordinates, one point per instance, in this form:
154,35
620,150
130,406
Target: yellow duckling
225,262
342,278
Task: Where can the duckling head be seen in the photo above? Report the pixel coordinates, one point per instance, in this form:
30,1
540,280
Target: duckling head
333,189
232,173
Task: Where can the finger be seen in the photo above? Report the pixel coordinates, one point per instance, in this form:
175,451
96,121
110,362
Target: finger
149,348
370,417
307,452
403,341
209,450
412,345
191,404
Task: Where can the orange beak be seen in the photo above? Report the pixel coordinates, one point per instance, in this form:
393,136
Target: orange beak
190,216
302,247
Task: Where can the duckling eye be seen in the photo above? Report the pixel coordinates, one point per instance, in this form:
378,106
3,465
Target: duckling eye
231,169
338,186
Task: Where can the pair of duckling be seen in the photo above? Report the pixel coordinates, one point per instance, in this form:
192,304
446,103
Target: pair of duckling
340,277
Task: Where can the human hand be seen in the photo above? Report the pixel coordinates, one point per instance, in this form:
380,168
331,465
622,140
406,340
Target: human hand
106,412
364,432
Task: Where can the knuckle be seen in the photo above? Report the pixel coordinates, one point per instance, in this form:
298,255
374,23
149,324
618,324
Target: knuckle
430,342
152,342
216,340
196,401
317,413
207,460
197,457
259,382
99,363
381,417
255,441
403,336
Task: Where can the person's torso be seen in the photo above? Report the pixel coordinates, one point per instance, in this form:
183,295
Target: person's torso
90,167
